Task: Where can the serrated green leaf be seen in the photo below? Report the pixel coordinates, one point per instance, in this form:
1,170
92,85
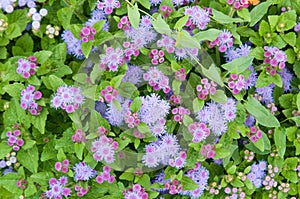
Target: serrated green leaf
188,183
5,149
29,159
14,90
86,48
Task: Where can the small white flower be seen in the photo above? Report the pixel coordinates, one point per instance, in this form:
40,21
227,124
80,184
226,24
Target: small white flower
36,25
43,12
32,10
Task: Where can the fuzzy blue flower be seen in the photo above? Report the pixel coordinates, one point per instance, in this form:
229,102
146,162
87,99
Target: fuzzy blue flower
134,75
83,172
266,94
257,173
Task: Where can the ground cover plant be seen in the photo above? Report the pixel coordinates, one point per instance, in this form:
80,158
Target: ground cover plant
142,99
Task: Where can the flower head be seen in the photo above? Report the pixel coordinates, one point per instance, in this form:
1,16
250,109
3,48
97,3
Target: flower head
83,171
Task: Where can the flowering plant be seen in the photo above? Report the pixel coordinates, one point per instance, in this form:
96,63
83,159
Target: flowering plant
149,99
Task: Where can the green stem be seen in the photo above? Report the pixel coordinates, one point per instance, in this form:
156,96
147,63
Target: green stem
81,17
232,11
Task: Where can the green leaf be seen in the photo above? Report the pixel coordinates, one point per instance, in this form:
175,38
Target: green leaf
5,149
116,81
86,48
224,19
188,183
291,55
296,68
29,159
14,90
55,82
260,113
176,86
42,178
181,22
273,20
260,144
143,128
265,79
212,74
259,11
39,121
25,42
286,100
145,3
289,38
3,53
280,141
219,97
144,181
64,16
42,56
197,104
238,65
161,26
13,31
79,147
9,181
136,104
244,13
49,151
231,170
126,89
207,35
185,40
187,120
134,15
258,53
298,101
278,42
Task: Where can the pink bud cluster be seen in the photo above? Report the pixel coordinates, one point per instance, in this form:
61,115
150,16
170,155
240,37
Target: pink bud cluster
238,4
62,166
166,10
173,187
180,75
275,59
236,83
157,56
206,88
124,23
135,192
108,5
269,180
157,79
14,139
272,108
21,183
108,94
102,130
105,176
208,151
131,119
179,113
27,67
80,191
179,161
28,97
104,149
199,131
130,50
87,33
255,134
175,100
79,136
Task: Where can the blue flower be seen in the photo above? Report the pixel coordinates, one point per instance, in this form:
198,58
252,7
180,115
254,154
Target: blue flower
83,171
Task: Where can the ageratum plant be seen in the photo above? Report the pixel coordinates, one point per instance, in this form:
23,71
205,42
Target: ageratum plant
141,99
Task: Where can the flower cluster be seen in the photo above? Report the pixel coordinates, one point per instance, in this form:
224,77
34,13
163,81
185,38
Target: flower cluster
27,67
157,56
175,99
135,192
80,191
108,5
208,151
173,187
105,176
164,151
236,83
134,75
57,188
14,139
37,17
62,166
124,23
131,119
28,97
257,173
79,136
52,31
255,134
167,42
166,10
199,131
180,74
73,44
179,113
104,149
238,4
96,16
275,59
157,79
28,3
153,112
9,162
216,115
7,5
21,183
224,41
108,94
87,33
68,98
84,172
269,180
183,53
197,17
206,88
200,176
234,193
112,59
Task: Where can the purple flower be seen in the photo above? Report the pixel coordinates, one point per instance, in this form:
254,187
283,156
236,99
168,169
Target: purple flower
2,164
57,189
297,27
266,94
73,44
274,59
28,100
142,36
68,98
157,79
26,68
98,15
250,121
112,59
104,149
198,16
286,77
108,5
28,3
133,75
83,172
155,2
7,5
257,173
224,41
167,42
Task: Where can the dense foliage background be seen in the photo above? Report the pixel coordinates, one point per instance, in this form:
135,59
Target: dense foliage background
149,99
